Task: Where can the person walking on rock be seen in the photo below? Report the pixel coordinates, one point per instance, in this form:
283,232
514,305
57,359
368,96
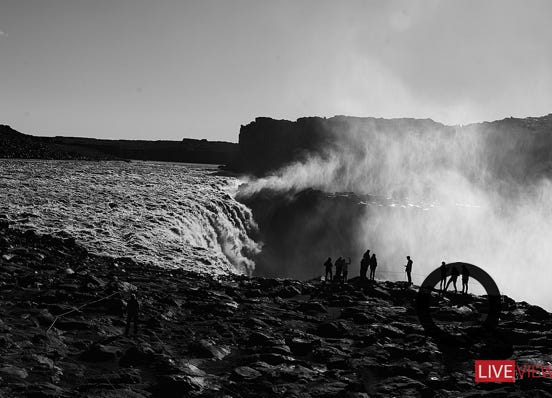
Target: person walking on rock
408,270
373,266
465,279
328,265
132,310
453,277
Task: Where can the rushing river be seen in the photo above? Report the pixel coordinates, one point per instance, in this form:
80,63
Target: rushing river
174,215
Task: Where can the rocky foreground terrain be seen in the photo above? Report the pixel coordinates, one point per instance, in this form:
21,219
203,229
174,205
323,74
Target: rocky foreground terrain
61,333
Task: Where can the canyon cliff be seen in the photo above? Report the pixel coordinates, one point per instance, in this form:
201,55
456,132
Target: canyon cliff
14,144
515,148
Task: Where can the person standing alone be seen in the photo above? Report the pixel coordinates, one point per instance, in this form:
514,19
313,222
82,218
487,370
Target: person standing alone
408,270
132,309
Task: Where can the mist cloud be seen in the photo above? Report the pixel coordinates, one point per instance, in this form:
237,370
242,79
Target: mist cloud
440,199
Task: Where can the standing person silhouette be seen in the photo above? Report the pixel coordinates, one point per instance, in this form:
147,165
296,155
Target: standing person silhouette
132,309
443,281
408,270
346,268
364,264
465,279
453,277
373,266
328,265
338,269
363,268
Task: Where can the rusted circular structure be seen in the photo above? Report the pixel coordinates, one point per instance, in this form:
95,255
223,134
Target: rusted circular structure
423,303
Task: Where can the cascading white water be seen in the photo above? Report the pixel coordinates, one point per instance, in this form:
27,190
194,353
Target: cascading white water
165,214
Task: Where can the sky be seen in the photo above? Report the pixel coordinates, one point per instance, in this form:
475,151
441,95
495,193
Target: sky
138,69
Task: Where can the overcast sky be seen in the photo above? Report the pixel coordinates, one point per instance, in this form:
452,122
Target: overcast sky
162,69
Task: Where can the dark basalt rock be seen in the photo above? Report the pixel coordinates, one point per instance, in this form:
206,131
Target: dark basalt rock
14,144
331,329
288,292
351,340
302,347
537,313
259,338
312,307
207,349
100,353
137,356
245,373
176,386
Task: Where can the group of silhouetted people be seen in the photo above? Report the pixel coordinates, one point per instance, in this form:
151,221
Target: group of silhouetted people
341,269
370,262
454,274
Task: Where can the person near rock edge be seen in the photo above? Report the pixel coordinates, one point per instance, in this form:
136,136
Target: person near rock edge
443,280
345,268
408,270
453,277
132,309
328,265
364,263
465,279
338,269
373,266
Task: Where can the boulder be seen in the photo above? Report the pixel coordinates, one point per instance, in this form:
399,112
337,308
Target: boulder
245,373
323,354
176,386
207,349
7,371
312,307
350,312
287,292
330,329
401,386
46,390
275,359
302,347
537,313
337,362
362,319
69,324
259,338
100,353
136,356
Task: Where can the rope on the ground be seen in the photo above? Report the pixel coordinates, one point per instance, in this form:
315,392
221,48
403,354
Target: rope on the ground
112,386
398,272
78,308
